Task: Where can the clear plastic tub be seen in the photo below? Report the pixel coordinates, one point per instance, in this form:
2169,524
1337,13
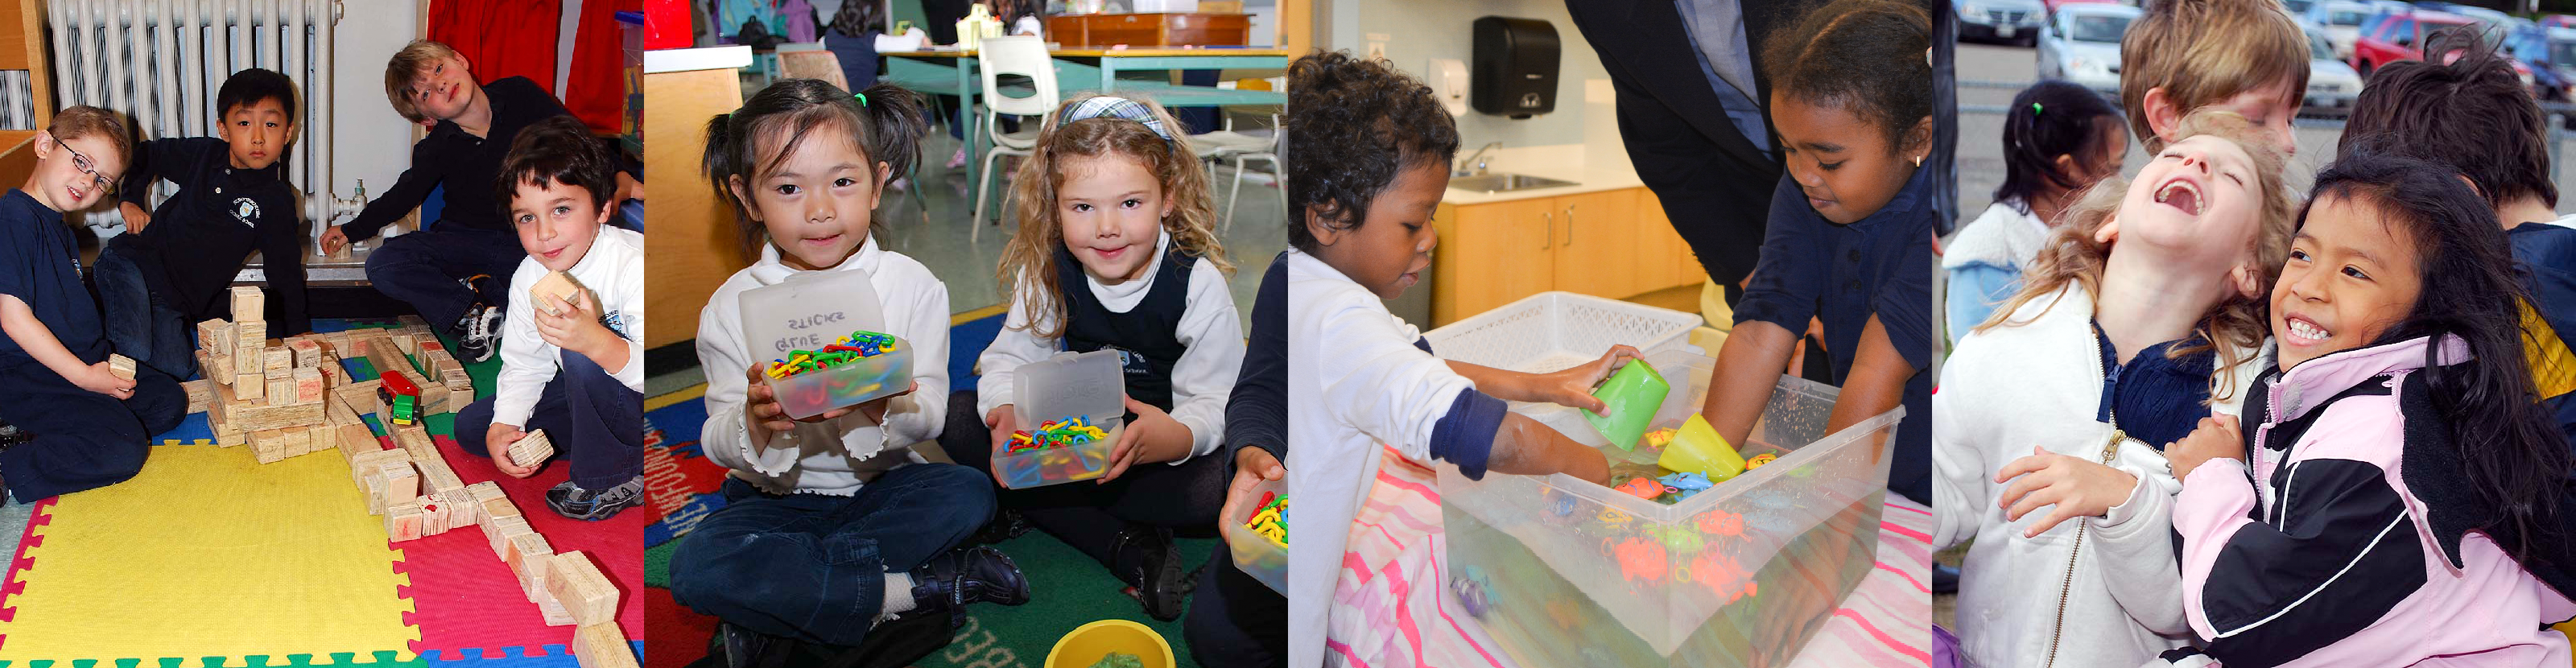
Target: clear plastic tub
1739,575
1254,555
811,393
1088,385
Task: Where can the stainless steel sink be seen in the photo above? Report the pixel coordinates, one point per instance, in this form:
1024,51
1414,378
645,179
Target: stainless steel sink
1495,182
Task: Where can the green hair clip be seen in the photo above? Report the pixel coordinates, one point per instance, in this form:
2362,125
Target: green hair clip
863,98
2035,109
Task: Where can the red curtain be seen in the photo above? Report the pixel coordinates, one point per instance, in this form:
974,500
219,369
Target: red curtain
501,38
597,88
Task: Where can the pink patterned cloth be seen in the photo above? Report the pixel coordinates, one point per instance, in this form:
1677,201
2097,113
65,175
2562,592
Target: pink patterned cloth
1389,610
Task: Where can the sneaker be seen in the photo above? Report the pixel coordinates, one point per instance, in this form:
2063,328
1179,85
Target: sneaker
1156,579
971,575
570,500
958,160
1005,526
11,435
478,334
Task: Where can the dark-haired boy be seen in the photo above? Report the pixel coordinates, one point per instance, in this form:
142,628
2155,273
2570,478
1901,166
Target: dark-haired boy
89,424
573,367
171,266
2471,113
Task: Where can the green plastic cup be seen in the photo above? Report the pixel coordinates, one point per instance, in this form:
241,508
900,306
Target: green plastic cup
1632,396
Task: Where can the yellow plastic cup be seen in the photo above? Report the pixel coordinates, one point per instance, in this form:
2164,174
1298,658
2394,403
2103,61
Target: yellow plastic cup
1696,448
1089,642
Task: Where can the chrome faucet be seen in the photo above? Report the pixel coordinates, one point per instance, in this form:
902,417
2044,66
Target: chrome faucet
1478,159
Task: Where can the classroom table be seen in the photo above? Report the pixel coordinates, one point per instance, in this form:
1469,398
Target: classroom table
950,71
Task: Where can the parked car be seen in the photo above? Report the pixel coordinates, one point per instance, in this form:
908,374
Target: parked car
2340,21
2558,21
2298,9
2550,55
2014,21
2399,36
2331,83
2081,44
2492,24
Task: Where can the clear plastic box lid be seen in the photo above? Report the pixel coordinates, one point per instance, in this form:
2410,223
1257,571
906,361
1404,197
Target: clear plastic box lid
809,311
1070,384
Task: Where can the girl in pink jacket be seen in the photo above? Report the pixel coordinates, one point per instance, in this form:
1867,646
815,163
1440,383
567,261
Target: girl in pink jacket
2393,497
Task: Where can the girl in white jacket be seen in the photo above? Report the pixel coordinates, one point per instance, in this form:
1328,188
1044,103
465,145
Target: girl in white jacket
831,524
2066,396
1117,250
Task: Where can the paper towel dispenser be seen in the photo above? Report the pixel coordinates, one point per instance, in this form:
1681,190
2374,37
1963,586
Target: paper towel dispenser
1515,66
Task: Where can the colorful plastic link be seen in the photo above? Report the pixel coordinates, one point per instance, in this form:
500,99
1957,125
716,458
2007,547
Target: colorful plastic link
857,346
1270,519
1067,432
1758,460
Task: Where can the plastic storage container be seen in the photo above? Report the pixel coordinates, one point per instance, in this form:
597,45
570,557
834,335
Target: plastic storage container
1064,386
1554,330
808,312
1739,575
811,393
1256,556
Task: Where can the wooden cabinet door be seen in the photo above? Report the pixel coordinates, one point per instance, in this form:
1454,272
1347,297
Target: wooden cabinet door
1491,254
1596,244
1663,259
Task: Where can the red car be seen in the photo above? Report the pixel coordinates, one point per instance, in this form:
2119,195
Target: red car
2393,37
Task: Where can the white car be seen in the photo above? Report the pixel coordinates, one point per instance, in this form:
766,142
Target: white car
2341,21
2010,21
2081,44
2331,83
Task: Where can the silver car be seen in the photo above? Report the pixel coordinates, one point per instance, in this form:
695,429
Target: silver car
2014,21
2332,84
2081,44
2341,21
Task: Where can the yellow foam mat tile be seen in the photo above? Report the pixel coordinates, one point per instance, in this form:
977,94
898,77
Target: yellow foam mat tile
207,553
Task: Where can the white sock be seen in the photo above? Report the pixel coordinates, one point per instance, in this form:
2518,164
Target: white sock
898,593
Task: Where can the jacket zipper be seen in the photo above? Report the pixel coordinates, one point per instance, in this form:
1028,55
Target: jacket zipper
2110,449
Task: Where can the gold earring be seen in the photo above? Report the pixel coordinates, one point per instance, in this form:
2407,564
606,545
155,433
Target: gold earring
1918,161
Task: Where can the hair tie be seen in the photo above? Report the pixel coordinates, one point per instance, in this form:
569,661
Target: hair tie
1106,106
863,98
2035,109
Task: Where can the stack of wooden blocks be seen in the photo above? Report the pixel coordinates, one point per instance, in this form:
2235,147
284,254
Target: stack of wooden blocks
264,393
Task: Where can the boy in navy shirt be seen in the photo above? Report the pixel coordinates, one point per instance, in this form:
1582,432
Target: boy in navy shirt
170,268
88,425
453,272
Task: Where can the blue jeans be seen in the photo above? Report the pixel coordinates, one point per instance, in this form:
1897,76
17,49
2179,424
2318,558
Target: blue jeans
140,324
594,420
421,269
812,567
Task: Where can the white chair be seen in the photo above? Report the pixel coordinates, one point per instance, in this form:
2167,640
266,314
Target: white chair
999,56
1242,147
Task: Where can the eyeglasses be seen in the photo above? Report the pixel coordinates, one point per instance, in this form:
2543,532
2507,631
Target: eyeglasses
88,166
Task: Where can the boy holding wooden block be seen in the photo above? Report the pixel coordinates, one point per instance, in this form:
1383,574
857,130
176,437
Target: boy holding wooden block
573,369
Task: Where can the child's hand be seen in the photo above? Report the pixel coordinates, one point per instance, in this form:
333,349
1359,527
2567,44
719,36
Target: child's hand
103,381
496,442
135,216
875,409
628,188
1252,466
763,417
2217,438
333,240
2078,488
1153,437
1573,386
578,328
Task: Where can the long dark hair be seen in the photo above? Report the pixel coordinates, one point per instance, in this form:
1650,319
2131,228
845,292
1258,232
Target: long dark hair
885,120
2049,119
2511,452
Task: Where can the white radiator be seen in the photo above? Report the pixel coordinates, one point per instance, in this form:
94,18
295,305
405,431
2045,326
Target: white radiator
161,61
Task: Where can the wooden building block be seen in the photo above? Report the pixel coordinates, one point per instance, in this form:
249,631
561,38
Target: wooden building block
410,320
602,646
248,304
214,335
120,365
354,439
528,556
305,352
200,393
553,610
281,391
296,441
250,387
581,588
532,450
403,522
434,399
554,286
500,509
275,358
268,445
307,385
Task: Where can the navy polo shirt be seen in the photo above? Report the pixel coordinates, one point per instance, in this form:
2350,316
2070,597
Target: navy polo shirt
1844,274
40,265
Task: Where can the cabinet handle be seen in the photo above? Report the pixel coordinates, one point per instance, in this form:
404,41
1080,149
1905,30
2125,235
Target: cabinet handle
1548,240
1569,226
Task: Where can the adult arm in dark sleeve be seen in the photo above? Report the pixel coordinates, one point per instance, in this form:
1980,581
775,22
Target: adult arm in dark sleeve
281,256
1713,199
410,189
150,159
1256,413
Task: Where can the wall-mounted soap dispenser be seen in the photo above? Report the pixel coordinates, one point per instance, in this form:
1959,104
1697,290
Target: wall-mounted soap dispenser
1516,62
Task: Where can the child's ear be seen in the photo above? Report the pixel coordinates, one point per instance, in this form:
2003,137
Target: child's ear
2162,117
2071,168
1325,234
1918,139
45,149
884,173
742,196
2248,282
2109,232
